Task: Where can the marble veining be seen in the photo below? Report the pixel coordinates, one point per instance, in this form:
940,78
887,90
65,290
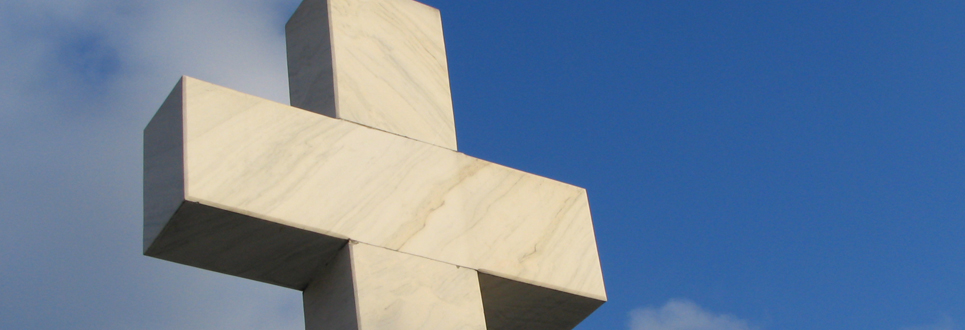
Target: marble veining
379,63
356,194
294,167
400,291
231,243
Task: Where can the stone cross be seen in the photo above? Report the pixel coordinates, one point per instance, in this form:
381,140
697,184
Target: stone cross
356,194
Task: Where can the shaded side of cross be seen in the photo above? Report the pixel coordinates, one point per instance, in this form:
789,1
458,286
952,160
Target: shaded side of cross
356,194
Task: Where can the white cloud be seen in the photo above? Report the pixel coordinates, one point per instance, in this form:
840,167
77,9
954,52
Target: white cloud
945,323
81,78
683,315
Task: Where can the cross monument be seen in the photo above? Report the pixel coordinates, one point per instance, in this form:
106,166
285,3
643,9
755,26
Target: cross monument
356,194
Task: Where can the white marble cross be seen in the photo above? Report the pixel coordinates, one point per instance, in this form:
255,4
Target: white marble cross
356,194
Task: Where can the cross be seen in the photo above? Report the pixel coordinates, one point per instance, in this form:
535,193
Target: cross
356,194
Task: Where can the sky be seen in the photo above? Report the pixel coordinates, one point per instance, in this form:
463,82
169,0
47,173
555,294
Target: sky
750,165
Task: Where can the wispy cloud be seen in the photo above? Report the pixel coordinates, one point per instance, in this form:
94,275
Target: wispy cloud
681,314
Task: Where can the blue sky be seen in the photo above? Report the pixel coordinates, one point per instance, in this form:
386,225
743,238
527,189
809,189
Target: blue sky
750,165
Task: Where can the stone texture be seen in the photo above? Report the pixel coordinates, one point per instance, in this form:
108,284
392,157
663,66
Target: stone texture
357,196
269,161
163,165
329,301
230,243
398,291
370,288
512,305
379,63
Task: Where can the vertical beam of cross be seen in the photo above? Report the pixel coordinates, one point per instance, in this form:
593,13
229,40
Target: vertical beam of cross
362,202
379,63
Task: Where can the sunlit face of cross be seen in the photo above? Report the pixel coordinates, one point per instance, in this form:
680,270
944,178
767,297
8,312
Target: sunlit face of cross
356,194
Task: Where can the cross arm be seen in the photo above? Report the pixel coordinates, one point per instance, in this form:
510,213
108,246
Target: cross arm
280,189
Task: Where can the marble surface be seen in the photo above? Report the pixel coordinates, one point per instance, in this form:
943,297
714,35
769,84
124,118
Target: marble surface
289,166
329,301
512,305
163,165
230,243
357,196
379,63
211,238
398,291
311,75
